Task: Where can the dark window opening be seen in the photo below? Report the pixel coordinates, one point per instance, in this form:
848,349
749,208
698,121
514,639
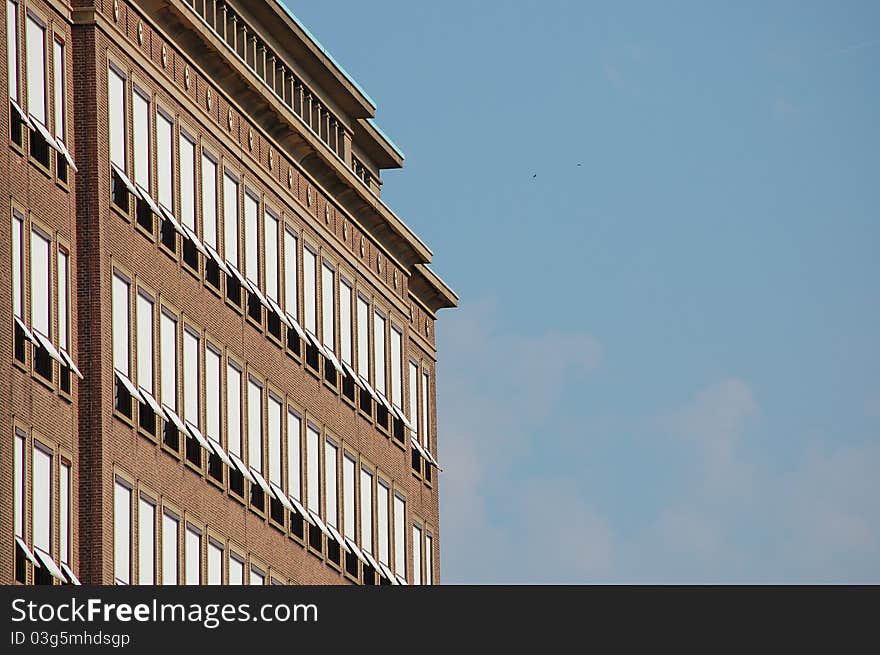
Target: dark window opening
382,415
334,552
315,536
236,482
61,167
42,577
123,399
399,430
119,192
369,575
330,373
366,402
147,419
276,510
21,561
351,564
171,437
64,379
297,525
428,469
20,353
215,467
16,126
384,581
143,214
39,148
169,235
255,308
348,387
273,324
193,451
293,341
43,363
416,460
258,497
233,290
190,254
312,356
212,273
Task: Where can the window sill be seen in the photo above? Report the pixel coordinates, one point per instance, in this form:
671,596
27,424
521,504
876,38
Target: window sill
122,417
17,148
67,397
296,539
236,497
148,234
116,209
192,466
170,451
219,484
24,366
146,435
349,402
333,565
275,340
61,184
254,324
196,273
48,383
235,308
171,254
43,169
275,524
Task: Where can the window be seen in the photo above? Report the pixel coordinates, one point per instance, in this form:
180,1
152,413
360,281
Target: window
212,393
255,425
121,355
310,289
233,409
274,420
429,559
399,536
349,468
170,537
330,490
191,411
328,309
35,44
257,576
363,331
291,302
251,239
41,293
140,108
146,541
379,351
116,114
145,342
193,555
122,532
64,513
41,507
294,455
209,200
19,502
230,219
426,440
63,301
12,47
187,155
168,363
164,166
383,497
313,478
236,570
270,226
414,393
58,79
17,271
345,322
215,563
367,511
396,367
417,554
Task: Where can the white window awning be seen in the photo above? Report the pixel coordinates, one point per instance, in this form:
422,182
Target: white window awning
28,335
217,449
281,496
189,234
296,326
371,560
338,537
27,551
365,384
402,580
168,216
144,195
71,576
254,289
129,387
64,151
49,348
398,413
47,561
71,364
331,356
300,509
217,258
279,312
350,372
317,344
387,574
316,520
384,401
197,435
174,418
127,182
39,127
237,463
236,274
260,480
353,547
152,403
24,117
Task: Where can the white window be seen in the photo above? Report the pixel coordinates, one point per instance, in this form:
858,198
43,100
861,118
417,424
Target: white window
399,536
41,293
379,351
367,510
328,280
209,200
116,114
274,420
252,238
64,512
313,478
122,533
12,47
230,219
145,342
310,289
396,367
417,554
170,538
383,498
187,181
17,272
426,440
140,108
236,570
41,507
349,470
429,559
294,454
121,356
146,541
414,393
35,44
291,297
345,321
168,336
255,425
257,576
191,378
363,332
212,394
58,63
330,491
164,165
193,555
63,301
233,409
270,226
19,485
215,563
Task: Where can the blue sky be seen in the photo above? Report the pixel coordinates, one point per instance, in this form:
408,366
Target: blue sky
665,366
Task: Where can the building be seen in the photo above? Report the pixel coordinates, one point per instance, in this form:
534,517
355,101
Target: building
218,341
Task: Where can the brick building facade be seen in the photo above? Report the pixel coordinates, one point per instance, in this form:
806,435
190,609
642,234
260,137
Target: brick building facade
219,343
